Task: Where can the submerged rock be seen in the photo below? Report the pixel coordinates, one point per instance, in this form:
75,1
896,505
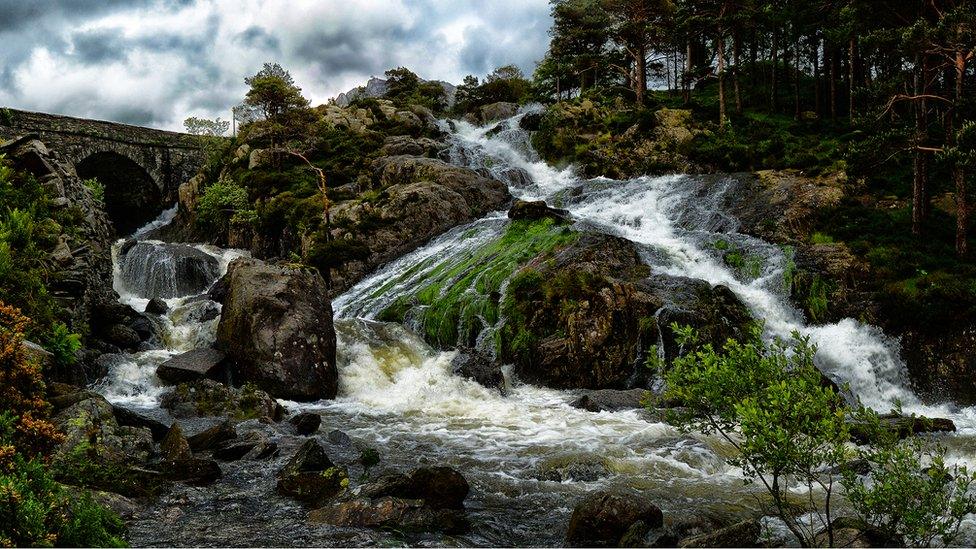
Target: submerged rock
602,519
213,437
408,515
276,329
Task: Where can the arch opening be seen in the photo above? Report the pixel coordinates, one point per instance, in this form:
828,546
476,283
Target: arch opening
132,198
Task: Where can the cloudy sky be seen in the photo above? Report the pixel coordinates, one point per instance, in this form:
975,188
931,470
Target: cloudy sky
155,62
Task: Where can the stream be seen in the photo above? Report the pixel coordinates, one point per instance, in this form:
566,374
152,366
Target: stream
528,455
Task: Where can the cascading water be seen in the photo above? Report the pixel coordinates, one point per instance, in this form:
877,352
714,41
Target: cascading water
528,454
179,275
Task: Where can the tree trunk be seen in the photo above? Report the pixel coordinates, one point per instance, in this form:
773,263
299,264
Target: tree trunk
958,170
796,76
816,76
640,78
921,175
686,80
736,47
775,66
833,84
850,78
721,76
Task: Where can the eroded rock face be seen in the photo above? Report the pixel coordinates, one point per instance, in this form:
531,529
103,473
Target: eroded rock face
158,270
602,519
276,330
209,398
584,317
419,199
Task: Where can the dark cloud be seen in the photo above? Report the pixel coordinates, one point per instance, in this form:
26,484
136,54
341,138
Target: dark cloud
259,38
155,62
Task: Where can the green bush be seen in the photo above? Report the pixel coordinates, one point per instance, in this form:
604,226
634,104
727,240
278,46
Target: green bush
223,203
96,188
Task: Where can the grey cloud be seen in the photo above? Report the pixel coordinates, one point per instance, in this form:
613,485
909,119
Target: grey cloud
259,38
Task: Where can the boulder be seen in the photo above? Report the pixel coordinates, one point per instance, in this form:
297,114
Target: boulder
310,476
496,111
901,426
131,418
404,144
571,468
740,534
233,450
276,329
122,336
156,269
419,198
175,446
156,306
208,398
473,364
609,400
602,519
306,423
535,210
192,366
213,437
339,438
193,471
439,487
391,513
531,121
582,317
117,444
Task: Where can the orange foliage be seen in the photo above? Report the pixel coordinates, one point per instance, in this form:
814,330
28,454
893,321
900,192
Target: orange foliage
22,390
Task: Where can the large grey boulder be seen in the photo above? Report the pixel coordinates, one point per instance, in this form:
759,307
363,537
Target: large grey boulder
191,366
276,330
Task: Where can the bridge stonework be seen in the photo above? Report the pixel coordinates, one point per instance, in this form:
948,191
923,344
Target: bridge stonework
118,154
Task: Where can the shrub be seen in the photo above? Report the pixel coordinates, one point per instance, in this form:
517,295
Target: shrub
96,188
223,203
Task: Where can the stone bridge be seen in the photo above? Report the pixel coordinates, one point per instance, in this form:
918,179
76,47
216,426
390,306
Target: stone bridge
141,168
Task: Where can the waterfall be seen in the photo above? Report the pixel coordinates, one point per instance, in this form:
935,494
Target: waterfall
677,222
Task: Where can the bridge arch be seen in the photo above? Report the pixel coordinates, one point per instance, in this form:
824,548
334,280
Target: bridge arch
132,196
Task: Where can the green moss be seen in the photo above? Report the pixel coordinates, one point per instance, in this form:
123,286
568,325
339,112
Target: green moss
460,298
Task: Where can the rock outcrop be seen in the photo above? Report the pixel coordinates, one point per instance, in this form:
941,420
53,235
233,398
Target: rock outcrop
418,199
276,330
584,316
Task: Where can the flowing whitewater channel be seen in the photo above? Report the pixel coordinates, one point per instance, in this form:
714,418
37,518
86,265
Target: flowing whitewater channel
528,455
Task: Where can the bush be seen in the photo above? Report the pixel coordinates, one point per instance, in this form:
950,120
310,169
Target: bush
223,203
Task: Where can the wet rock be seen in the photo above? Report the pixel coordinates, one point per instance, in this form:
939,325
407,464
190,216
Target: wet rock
576,470
440,487
339,438
117,444
740,534
531,121
853,532
265,449
131,418
310,476
175,446
609,400
404,144
123,336
602,519
306,423
218,292
193,471
389,512
276,329
38,354
155,269
901,426
394,484
234,450
213,437
208,398
496,111
192,366
156,306
473,364
143,327
63,395
536,210
420,199
583,317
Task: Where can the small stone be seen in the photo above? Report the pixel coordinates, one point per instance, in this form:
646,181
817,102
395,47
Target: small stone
157,306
